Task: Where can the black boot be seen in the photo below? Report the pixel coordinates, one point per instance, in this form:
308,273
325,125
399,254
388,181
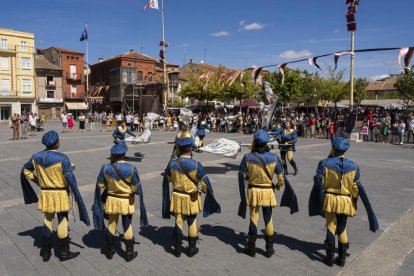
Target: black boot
177,248
330,252
192,246
64,250
110,250
251,245
46,250
285,169
340,260
129,248
295,168
269,246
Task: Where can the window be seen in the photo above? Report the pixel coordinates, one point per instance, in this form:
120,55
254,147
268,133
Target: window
4,63
26,86
149,76
3,43
67,57
50,94
5,87
23,46
139,75
49,79
77,58
73,89
72,57
26,64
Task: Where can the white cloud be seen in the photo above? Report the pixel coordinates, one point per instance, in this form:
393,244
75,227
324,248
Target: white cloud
336,31
220,34
378,77
242,22
253,26
295,54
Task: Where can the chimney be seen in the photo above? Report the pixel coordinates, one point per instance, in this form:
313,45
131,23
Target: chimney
191,61
132,50
100,59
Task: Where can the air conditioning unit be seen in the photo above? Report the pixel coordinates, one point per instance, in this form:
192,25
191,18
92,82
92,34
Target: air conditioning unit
52,83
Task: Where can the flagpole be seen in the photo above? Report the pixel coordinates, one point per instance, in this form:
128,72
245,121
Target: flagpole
87,62
166,81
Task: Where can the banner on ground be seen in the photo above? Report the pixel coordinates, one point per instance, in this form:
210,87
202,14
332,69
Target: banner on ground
144,137
223,147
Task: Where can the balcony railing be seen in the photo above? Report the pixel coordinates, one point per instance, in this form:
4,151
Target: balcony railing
8,93
50,84
16,48
74,77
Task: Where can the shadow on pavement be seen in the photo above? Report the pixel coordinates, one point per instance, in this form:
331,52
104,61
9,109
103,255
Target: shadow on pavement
158,235
310,249
226,235
96,239
36,234
221,170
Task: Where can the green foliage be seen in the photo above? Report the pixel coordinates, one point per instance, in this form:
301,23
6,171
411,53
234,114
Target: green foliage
332,87
405,84
360,92
177,103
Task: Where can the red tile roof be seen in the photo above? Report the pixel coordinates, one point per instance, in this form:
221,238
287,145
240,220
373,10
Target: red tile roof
67,50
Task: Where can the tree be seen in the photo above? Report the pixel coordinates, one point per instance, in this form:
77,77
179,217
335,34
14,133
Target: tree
332,88
291,89
241,89
360,92
405,84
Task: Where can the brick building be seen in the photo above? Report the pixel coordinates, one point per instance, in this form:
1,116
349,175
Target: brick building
129,82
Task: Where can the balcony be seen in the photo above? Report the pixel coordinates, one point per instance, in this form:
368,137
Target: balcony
10,48
8,93
74,77
50,85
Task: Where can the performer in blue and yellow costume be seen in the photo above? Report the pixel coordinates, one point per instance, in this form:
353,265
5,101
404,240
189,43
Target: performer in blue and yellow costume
52,172
188,181
334,195
201,132
121,183
119,132
260,191
287,146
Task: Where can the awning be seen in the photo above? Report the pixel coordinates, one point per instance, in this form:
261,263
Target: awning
77,106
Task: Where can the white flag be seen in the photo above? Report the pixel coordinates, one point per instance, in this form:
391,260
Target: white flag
153,4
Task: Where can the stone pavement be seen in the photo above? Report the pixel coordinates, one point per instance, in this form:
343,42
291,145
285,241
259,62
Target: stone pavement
386,172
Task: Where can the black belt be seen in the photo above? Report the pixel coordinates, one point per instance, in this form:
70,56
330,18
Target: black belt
119,196
51,189
332,193
261,187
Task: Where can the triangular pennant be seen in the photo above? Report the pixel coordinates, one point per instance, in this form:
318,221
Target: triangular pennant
338,55
234,77
312,62
282,71
256,73
208,79
408,57
403,52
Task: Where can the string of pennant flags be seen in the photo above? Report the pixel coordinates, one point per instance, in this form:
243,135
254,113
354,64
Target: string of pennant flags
404,58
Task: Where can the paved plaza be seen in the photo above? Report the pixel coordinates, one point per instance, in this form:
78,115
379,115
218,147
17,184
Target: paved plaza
387,173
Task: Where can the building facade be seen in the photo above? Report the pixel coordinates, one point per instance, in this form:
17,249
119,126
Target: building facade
49,88
128,82
17,74
73,81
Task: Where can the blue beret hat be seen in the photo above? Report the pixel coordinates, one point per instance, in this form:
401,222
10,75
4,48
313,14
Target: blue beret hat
340,144
261,138
184,139
50,138
120,148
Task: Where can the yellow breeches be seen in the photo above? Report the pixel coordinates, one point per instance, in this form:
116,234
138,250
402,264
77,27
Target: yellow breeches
119,206
254,218
113,223
332,225
261,197
54,201
289,155
192,229
182,204
339,205
62,229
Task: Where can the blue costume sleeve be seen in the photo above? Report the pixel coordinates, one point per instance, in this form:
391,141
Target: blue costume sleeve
71,180
166,193
143,210
289,198
316,196
211,206
243,204
372,219
29,194
279,166
97,208
131,133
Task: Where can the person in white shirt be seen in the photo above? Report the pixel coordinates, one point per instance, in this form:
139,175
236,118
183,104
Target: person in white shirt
32,124
410,129
401,130
64,119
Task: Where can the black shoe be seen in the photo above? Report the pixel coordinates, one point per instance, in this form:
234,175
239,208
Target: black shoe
46,250
64,250
110,250
330,252
192,246
129,249
269,246
340,260
251,246
177,248
295,168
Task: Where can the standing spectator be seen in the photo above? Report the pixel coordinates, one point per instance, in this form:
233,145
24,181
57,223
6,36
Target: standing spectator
70,123
16,126
43,120
109,122
82,119
312,125
136,122
385,126
331,129
32,125
364,132
119,118
394,132
128,120
401,130
64,119
376,130
91,120
410,129
103,121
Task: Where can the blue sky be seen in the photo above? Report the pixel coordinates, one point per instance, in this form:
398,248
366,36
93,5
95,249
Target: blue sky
234,33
